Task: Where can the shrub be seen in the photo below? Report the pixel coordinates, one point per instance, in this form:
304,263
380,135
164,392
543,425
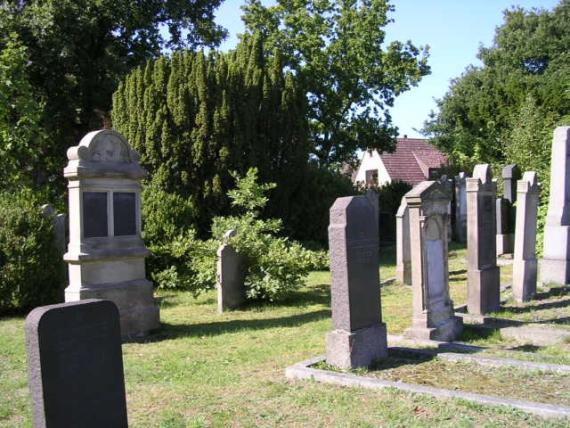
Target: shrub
31,267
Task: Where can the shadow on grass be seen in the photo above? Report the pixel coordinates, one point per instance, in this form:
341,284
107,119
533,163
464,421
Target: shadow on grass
175,331
537,307
525,348
473,333
457,272
554,291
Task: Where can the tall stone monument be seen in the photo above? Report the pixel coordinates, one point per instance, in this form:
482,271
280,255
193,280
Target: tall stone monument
555,265
433,313
358,336
403,256
460,208
505,210
75,365
483,276
524,264
230,275
106,254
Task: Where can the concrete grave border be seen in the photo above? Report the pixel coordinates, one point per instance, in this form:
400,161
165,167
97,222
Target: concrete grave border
304,371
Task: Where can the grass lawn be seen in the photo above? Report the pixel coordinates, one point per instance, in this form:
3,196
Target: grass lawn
205,369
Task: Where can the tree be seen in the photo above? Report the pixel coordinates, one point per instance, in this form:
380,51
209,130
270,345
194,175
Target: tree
80,49
491,112
350,77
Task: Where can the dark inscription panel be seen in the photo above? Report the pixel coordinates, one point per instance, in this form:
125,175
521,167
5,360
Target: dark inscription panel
94,214
124,212
75,359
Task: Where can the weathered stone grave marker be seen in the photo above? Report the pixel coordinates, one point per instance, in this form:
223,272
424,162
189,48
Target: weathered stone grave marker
505,210
483,276
75,365
524,264
433,313
460,208
359,336
403,256
106,254
555,265
230,276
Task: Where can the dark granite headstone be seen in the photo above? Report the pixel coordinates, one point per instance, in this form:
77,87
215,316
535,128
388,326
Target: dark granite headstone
94,214
75,365
359,336
124,213
510,173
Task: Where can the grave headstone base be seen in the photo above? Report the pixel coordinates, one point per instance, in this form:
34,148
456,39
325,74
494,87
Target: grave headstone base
524,272
479,302
505,244
139,313
447,331
357,349
555,271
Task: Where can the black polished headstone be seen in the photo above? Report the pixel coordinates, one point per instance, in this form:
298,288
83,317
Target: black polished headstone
75,365
124,213
94,214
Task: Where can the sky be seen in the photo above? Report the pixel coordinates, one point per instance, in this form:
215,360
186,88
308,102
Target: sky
454,30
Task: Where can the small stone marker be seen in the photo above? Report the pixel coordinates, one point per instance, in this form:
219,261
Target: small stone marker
75,365
483,275
106,253
555,266
230,284
460,208
433,313
506,211
403,256
524,264
359,336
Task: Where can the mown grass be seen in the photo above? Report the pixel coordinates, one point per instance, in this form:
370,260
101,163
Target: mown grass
204,369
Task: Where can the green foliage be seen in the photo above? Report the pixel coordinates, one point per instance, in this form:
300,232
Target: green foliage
195,117
78,50
274,264
31,267
21,135
336,48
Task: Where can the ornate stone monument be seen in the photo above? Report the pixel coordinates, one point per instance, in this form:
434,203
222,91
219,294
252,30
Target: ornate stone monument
555,265
230,276
106,254
483,276
524,264
505,210
403,257
359,336
460,208
433,313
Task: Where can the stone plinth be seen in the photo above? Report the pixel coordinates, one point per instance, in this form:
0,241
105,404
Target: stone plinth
359,336
524,263
483,275
106,254
555,265
230,276
75,365
433,313
403,257
460,208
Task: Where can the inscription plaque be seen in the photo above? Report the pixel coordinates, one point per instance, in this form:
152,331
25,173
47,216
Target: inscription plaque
75,365
124,213
94,214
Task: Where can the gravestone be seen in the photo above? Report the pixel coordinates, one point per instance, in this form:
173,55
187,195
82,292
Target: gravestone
403,257
483,276
460,208
505,210
555,265
524,263
106,254
75,365
230,276
359,336
448,183
433,313
58,221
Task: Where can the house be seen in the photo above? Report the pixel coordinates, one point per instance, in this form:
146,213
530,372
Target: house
413,161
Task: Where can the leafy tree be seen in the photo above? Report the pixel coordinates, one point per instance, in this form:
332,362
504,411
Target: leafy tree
525,73
337,50
80,49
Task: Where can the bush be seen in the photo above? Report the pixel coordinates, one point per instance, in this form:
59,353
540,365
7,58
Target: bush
32,271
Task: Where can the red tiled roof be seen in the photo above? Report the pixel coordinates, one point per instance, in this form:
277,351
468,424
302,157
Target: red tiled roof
412,159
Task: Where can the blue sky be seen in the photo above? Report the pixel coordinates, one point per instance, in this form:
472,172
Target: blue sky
453,29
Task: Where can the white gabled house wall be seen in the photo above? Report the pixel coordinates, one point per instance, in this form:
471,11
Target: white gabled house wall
371,161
